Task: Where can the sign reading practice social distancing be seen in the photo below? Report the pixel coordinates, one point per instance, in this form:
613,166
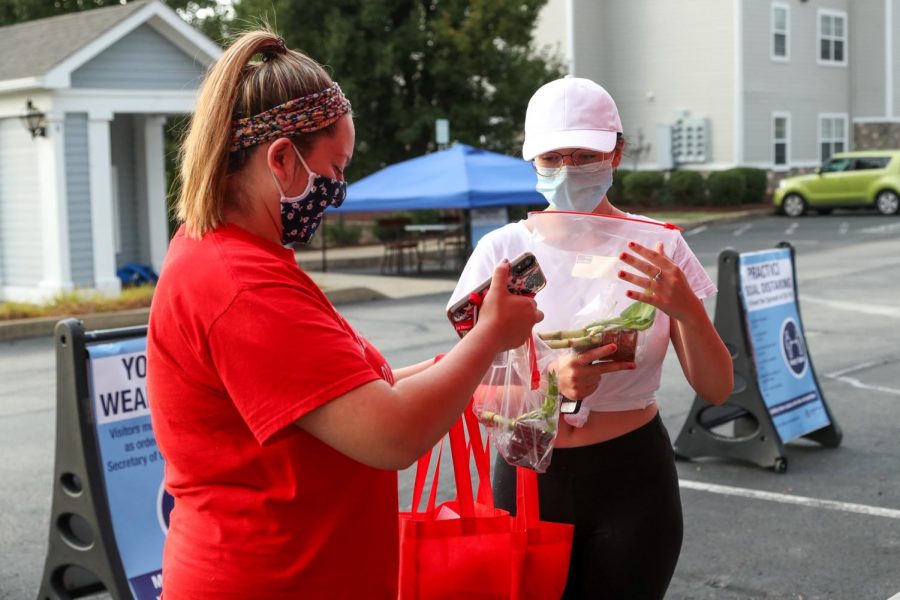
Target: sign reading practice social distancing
783,372
131,464
776,396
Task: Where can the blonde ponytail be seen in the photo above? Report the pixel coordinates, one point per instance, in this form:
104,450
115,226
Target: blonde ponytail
236,88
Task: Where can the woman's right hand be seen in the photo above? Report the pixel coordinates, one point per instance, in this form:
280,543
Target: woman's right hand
507,318
579,374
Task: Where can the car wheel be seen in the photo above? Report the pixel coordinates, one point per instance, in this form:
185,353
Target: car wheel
887,202
793,205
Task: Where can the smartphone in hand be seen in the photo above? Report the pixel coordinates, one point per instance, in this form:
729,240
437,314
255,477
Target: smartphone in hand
525,278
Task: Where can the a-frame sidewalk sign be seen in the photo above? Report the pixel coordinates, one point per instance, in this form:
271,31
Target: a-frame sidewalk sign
109,512
776,396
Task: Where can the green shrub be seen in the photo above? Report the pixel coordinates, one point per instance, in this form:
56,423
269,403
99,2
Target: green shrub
428,215
756,183
343,234
686,188
616,193
79,302
726,188
644,187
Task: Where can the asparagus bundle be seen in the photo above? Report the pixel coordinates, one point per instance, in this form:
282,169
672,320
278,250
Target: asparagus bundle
527,440
621,330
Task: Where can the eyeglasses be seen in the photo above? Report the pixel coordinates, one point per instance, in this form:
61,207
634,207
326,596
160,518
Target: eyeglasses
549,163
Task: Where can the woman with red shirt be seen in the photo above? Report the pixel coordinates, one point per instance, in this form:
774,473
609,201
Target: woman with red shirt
282,427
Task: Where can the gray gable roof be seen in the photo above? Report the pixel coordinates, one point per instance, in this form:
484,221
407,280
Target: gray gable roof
31,49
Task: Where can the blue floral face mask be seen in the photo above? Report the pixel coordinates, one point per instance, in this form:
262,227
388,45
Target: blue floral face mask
301,215
577,189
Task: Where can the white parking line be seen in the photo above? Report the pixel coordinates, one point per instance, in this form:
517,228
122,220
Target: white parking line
695,231
882,228
865,386
727,490
895,596
742,229
870,309
791,228
859,367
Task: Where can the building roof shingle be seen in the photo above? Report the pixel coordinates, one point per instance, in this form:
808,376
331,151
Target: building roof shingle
32,48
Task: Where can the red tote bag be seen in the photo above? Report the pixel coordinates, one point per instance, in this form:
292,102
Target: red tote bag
483,552
443,556
543,548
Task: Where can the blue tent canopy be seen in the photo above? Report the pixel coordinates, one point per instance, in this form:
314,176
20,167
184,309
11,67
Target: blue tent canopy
458,177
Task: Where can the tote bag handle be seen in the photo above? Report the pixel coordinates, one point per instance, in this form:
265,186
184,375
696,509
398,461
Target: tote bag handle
460,452
527,510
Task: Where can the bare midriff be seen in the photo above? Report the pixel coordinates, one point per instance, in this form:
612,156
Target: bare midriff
602,426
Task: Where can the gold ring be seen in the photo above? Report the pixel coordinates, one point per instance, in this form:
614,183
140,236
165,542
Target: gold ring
656,277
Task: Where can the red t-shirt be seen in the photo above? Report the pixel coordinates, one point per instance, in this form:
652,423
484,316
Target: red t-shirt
241,343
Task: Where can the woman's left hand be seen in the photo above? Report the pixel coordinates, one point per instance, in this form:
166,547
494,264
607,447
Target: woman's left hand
664,285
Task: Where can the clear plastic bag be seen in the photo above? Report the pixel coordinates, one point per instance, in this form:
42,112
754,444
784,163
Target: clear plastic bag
518,400
585,303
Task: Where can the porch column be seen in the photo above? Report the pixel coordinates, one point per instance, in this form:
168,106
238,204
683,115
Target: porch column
154,166
57,271
102,226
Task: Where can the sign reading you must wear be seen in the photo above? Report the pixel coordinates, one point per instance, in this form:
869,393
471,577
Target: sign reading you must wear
784,374
131,463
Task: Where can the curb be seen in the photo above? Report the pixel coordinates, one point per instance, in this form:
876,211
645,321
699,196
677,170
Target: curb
43,326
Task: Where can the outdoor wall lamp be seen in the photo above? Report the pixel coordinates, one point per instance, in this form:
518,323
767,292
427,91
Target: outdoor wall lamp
33,120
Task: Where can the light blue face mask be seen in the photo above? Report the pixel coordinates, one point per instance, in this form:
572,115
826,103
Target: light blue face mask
577,189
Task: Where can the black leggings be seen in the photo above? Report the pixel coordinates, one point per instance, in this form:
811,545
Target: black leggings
622,496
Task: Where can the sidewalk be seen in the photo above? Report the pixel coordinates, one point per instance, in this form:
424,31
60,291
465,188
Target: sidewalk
368,258
342,287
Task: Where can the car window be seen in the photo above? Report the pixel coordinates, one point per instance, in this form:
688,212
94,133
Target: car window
835,165
871,162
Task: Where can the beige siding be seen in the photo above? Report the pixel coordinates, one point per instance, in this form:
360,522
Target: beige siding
551,31
78,197
801,87
594,49
658,58
21,262
143,59
895,55
867,58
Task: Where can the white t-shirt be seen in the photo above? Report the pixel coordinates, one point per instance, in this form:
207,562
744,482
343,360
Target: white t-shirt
618,391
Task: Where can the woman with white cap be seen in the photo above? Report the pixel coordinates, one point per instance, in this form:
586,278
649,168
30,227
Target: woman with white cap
612,473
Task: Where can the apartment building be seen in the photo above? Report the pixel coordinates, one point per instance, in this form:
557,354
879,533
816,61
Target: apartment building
711,84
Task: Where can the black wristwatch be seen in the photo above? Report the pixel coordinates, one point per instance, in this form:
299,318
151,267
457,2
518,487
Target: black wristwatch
569,407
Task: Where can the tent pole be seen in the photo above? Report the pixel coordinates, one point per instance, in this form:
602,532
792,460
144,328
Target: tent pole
467,225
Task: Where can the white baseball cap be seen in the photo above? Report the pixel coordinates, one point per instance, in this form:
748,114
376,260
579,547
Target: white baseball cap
570,113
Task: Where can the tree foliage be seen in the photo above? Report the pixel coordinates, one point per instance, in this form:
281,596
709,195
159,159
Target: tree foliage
405,63
402,63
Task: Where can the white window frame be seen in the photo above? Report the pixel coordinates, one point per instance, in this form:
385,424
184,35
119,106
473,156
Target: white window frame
786,141
834,117
787,32
825,12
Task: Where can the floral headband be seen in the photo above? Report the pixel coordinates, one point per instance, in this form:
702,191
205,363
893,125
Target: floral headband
306,114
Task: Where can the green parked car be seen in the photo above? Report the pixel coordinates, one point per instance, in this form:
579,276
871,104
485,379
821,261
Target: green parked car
846,180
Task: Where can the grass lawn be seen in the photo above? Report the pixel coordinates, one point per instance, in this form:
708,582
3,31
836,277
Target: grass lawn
78,302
